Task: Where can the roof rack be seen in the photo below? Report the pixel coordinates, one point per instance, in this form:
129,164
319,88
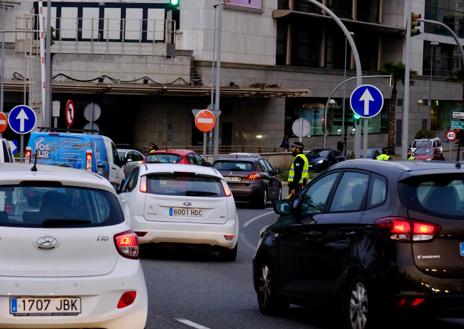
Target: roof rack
62,130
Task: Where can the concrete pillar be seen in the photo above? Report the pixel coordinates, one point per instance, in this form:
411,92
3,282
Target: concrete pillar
288,49
379,54
322,48
354,10
380,12
291,4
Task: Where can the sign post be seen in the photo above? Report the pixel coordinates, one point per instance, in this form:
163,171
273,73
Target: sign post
205,121
22,120
367,102
301,128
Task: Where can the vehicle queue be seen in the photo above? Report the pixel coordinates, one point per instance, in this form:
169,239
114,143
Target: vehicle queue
382,245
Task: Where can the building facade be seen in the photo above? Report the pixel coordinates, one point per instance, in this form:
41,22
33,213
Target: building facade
148,65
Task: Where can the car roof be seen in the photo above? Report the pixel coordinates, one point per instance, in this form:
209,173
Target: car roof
236,158
14,173
172,151
171,168
409,167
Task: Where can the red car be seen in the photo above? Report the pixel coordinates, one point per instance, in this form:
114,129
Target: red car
175,156
428,154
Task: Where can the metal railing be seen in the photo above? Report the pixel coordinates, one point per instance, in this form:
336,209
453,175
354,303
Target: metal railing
100,31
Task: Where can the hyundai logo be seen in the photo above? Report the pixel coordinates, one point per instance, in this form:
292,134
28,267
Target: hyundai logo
187,204
46,242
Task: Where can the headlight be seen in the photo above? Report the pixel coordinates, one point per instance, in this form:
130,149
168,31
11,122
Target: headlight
320,161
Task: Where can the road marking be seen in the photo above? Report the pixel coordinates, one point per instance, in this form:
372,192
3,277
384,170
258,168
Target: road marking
246,242
257,217
192,324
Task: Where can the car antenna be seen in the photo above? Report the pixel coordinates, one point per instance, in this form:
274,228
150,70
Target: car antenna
34,167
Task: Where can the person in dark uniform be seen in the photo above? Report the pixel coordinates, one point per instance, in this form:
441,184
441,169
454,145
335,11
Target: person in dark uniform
298,175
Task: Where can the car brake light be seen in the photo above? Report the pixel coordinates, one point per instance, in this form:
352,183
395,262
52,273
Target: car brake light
402,229
127,244
229,237
226,188
28,154
143,184
253,176
127,299
410,301
88,160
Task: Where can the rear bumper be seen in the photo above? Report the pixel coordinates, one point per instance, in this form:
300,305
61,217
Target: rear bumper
99,298
185,233
247,192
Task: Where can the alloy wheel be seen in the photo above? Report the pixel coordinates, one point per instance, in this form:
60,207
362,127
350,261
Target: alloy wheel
358,308
264,287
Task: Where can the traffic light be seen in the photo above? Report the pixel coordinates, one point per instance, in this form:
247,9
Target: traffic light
415,23
174,4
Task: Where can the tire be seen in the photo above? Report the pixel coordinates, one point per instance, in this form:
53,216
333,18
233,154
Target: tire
262,201
356,304
268,300
228,255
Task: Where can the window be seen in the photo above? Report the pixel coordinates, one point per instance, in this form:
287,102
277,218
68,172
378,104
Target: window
262,166
378,192
6,152
350,192
131,181
195,159
315,197
234,165
56,206
441,194
163,158
185,185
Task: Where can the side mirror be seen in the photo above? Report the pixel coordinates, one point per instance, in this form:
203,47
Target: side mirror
284,207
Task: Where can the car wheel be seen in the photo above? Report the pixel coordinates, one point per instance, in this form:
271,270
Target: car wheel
228,255
268,300
356,304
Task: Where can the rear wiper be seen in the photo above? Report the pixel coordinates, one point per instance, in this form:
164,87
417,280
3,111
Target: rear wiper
65,222
193,193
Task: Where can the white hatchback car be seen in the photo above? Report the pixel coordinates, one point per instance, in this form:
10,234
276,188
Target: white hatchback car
187,204
69,259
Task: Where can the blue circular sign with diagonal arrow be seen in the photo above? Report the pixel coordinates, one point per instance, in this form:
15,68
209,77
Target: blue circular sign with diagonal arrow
22,119
366,101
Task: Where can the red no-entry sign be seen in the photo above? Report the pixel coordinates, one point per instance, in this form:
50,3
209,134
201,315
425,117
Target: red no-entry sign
205,120
69,113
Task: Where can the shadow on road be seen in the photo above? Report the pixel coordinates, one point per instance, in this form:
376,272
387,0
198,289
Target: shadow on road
178,253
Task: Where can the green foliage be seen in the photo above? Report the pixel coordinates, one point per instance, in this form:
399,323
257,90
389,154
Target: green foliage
396,71
424,133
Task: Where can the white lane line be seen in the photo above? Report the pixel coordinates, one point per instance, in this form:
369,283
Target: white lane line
246,242
257,217
192,324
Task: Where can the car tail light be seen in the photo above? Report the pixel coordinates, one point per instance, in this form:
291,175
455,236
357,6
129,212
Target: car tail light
88,160
28,154
127,298
143,184
402,229
253,176
410,301
226,188
229,237
127,244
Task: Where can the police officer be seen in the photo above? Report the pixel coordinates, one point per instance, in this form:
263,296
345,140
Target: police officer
411,155
383,156
299,171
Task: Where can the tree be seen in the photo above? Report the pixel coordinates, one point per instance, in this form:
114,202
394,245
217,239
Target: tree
397,75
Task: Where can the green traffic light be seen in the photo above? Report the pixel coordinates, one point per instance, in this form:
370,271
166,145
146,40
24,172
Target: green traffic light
356,116
174,2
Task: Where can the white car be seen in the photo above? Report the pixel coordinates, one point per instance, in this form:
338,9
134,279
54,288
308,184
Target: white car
187,204
69,259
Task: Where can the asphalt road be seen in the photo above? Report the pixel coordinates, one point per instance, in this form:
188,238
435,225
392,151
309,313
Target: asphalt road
194,289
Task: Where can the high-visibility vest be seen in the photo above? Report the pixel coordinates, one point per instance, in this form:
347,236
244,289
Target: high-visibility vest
411,157
383,157
305,172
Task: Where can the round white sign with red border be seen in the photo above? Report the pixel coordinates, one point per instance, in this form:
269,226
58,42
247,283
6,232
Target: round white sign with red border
69,113
451,135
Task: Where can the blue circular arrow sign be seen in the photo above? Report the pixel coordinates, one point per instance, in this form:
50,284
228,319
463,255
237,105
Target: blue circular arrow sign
22,119
366,101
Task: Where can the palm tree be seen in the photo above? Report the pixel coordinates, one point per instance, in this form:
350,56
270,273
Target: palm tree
397,75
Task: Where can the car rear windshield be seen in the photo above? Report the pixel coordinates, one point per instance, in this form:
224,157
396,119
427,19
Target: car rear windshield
441,195
56,206
235,165
163,158
185,185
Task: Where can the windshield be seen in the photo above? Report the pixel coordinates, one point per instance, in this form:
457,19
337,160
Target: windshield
234,165
423,151
121,154
53,206
441,194
319,153
185,185
421,143
163,158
